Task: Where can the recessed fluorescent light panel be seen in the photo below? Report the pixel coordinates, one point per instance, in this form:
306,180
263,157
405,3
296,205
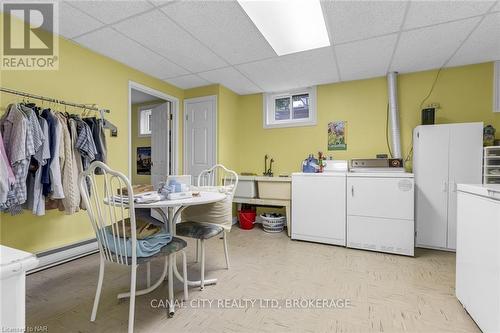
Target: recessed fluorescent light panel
289,25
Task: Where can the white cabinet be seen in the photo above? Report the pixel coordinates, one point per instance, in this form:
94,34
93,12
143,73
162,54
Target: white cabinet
443,156
491,165
13,266
478,254
318,207
380,212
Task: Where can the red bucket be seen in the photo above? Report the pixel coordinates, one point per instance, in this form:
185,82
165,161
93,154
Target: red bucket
247,219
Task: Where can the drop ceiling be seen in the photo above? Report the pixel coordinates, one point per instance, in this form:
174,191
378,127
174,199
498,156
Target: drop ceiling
195,43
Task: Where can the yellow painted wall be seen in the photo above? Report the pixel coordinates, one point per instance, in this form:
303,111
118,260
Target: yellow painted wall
465,94
85,77
227,108
137,141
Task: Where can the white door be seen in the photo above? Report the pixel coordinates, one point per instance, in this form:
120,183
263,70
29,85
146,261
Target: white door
199,135
466,154
318,208
430,165
160,143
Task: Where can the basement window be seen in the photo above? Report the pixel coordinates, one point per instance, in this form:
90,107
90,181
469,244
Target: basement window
290,109
145,121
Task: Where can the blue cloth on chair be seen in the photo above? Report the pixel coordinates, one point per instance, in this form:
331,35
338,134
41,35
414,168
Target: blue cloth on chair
146,247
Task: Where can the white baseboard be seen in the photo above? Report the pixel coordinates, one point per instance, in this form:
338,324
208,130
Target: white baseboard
67,253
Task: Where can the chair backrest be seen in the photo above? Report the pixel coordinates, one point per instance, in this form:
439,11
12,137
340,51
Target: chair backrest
108,215
219,175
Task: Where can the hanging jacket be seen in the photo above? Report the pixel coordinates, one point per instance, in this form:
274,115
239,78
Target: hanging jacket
69,171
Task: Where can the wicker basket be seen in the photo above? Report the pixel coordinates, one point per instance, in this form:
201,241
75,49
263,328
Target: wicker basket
273,222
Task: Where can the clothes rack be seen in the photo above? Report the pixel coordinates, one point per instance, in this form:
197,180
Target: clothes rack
91,107
53,100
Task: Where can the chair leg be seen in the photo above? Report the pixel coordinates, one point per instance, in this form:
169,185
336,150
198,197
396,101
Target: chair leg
184,275
98,291
148,274
226,253
202,246
131,310
197,251
171,309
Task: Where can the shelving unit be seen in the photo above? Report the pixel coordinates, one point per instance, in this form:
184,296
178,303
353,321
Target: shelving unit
491,165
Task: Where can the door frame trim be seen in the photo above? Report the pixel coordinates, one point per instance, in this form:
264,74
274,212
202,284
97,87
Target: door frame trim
213,99
175,115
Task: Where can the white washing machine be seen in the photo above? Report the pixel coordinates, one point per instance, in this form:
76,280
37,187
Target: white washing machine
380,212
319,207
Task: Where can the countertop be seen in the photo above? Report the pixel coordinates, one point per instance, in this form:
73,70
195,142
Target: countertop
487,190
265,178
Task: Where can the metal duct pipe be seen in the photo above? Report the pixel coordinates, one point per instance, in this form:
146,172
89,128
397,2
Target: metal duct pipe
392,90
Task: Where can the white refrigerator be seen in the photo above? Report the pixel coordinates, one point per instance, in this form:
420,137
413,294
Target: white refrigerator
443,156
478,254
319,207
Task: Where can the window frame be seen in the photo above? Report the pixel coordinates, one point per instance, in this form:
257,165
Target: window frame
139,112
269,109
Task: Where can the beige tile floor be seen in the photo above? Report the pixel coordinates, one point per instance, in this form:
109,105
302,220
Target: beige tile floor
388,293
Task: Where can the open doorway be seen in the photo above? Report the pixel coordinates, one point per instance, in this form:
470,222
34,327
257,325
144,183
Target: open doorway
153,128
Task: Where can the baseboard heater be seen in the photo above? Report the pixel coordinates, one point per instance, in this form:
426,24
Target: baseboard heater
64,254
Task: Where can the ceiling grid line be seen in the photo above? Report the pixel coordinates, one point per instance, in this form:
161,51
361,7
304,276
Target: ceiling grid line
211,50
407,9
332,44
194,37
212,45
413,29
106,25
111,26
468,36
153,51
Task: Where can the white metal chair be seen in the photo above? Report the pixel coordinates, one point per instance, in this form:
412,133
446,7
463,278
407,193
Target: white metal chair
216,176
109,218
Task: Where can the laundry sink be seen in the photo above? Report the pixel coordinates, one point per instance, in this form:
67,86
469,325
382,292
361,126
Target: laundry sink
278,188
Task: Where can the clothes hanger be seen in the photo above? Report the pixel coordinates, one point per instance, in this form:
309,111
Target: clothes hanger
107,124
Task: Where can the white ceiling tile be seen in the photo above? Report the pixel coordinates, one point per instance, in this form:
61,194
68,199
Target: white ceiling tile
365,59
188,81
112,44
423,13
293,71
483,45
497,7
73,22
158,32
429,48
354,20
110,11
224,27
232,79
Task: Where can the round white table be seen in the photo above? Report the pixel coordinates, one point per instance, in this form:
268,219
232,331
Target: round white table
175,208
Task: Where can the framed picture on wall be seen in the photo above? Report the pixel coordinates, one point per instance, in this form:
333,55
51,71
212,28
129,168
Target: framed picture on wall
144,160
337,135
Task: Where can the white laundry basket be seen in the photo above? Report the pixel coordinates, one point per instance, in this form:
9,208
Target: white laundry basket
273,222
